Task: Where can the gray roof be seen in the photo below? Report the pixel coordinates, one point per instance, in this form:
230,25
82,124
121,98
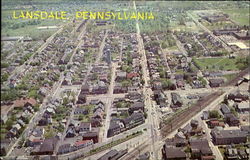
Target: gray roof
228,133
225,109
173,152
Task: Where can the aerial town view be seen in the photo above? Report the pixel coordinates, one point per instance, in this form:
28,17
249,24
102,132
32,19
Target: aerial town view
125,80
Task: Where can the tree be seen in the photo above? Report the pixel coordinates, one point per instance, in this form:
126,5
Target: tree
225,101
214,114
80,118
3,151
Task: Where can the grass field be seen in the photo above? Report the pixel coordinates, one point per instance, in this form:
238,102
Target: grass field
240,16
26,29
230,76
216,64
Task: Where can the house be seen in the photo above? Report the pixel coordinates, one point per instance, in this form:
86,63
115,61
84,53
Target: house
137,106
145,156
176,100
64,148
90,136
114,128
81,99
238,97
100,89
215,123
36,137
120,76
231,153
84,127
157,85
46,148
131,75
200,149
85,89
96,122
242,107
243,154
98,114
133,120
134,96
119,89
225,109
170,153
70,132
205,115
227,137
83,143
215,82
79,110
43,122
25,102
231,119
177,141
180,84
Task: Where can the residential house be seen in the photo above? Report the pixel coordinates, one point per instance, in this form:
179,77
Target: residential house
64,148
137,106
120,76
176,100
85,89
46,148
231,119
70,132
134,120
84,127
225,109
90,136
215,82
238,97
79,110
170,153
200,149
83,143
118,88
134,96
242,107
36,137
81,99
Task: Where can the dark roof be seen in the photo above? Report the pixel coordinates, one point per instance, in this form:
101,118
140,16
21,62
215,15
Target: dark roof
138,105
245,128
84,124
200,145
228,133
173,152
225,109
216,81
90,134
48,145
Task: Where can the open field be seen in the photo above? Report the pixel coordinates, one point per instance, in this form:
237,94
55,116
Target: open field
215,64
240,16
20,27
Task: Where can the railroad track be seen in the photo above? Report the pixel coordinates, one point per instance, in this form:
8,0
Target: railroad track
186,115
234,81
135,152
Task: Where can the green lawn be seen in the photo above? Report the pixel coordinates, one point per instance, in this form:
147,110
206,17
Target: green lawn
230,76
216,64
239,15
